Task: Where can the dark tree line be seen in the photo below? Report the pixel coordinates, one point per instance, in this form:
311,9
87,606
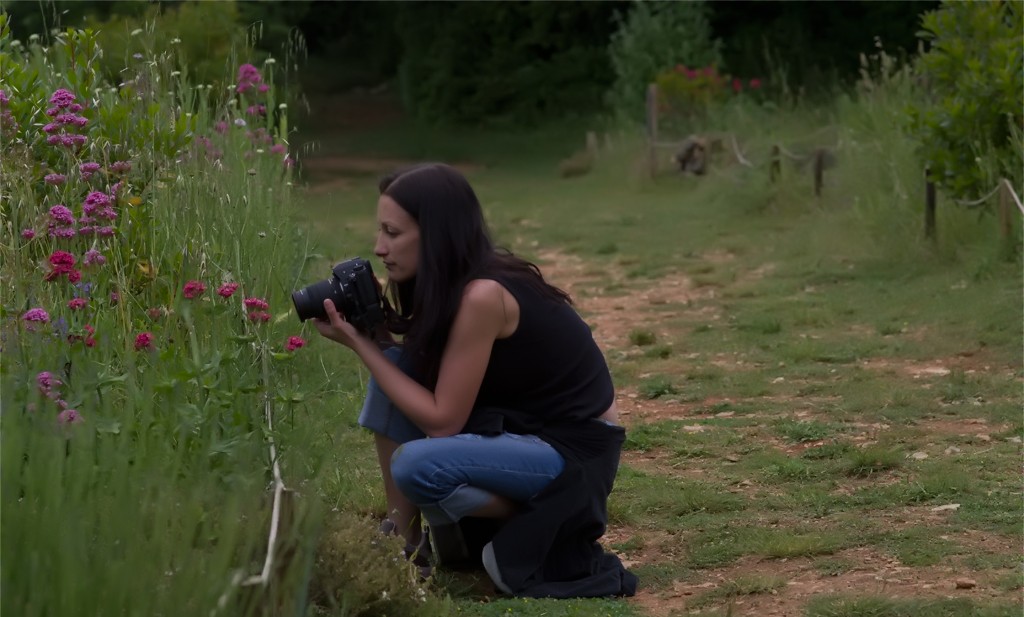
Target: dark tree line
527,61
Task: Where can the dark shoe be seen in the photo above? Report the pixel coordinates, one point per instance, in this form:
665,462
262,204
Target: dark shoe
420,554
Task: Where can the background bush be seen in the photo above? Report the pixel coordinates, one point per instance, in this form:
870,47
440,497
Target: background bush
653,37
969,124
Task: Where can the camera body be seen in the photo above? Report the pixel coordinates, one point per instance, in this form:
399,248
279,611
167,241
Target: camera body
353,289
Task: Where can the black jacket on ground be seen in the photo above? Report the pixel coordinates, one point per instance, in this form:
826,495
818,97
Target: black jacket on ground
562,557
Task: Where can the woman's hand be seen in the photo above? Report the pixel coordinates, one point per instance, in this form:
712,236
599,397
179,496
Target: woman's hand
336,328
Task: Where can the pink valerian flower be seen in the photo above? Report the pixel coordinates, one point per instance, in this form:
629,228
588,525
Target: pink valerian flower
28,233
256,303
69,416
256,110
143,341
47,383
74,276
259,316
279,149
55,231
68,140
94,201
105,232
248,77
36,315
737,85
294,342
62,214
88,169
121,167
755,84
221,127
93,257
193,289
227,290
62,260
55,179
61,263
263,88
115,298
77,304
87,339
61,99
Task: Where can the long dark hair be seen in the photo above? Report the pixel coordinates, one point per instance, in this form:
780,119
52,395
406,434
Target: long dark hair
455,248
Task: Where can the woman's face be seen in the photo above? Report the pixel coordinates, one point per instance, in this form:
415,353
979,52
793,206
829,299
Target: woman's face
398,240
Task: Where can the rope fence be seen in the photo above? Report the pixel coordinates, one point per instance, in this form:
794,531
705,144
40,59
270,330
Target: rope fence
822,157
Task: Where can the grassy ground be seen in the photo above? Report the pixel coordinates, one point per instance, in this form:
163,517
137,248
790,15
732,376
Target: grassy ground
824,410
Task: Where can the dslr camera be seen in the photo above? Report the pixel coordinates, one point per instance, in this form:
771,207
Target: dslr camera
353,289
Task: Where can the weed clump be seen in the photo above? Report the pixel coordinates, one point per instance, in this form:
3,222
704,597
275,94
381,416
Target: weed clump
358,572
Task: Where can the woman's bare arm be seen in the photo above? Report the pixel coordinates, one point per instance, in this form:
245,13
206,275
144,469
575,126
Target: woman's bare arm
443,412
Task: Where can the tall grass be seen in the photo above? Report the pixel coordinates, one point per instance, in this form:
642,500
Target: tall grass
135,460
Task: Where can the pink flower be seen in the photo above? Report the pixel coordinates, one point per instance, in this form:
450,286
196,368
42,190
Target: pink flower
94,200
47,382
256,303
114,298
755,84
105,232
737,85
62,214
88,169
93,257
77,304
193,289
36,315
54,179
294,342
69,416
259,316
120,167
61,232
279,149
28,233
74,276
89,340
143,341
227,290
62,99
62,260
155,313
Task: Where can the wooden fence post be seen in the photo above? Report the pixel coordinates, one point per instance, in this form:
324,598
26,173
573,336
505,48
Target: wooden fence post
1005,212
819,171
652,128
929,204
775,170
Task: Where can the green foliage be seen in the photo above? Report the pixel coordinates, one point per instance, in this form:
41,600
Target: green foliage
653,37
202,34
874,606
975,110
508,62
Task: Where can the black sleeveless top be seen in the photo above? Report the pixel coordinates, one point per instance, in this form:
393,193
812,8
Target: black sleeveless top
550,368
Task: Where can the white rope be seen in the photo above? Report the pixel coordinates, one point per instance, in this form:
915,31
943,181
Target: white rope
789,154
275,517
736,150
977,202
1013,193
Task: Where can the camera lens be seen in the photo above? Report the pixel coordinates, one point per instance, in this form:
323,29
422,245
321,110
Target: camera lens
309,301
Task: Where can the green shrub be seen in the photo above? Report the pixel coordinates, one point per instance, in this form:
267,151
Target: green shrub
975,110
653,37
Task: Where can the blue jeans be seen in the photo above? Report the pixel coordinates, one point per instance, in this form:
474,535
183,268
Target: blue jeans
451,477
